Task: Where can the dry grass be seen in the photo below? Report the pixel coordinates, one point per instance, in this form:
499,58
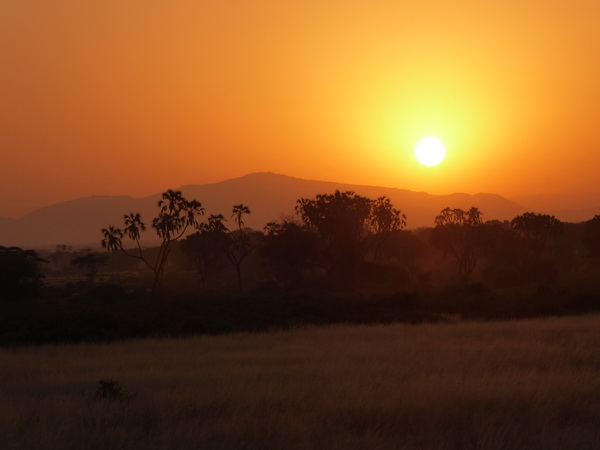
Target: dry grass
525,384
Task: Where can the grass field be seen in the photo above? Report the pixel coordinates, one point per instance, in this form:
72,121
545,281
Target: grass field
497,385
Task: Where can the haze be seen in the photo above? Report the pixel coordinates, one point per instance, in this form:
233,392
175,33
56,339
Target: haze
112,97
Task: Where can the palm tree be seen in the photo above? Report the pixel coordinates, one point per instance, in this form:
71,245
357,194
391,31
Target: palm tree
175,217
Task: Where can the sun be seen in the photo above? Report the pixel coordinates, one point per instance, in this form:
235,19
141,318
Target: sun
430,151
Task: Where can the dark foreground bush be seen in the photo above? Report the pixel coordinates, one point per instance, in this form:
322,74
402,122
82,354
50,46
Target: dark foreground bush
109,389
93,318
109,313
20,274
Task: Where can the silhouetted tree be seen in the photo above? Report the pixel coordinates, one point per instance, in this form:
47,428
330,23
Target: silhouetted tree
175,216
61,257
349,225
20,273
405,247
459,233
536,229
291,248
240,243
91,261
205,247
591,236
385,220
502,250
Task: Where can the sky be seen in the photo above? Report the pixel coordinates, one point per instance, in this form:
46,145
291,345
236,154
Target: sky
107,97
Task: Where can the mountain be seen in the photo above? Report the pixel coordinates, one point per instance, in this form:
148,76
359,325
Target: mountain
579,215
566,207
8,227
269,196
76,222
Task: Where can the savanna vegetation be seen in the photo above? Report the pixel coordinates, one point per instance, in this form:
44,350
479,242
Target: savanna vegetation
531,384
343,258
340,288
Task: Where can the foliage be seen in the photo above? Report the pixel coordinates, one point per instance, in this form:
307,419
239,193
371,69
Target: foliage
240,242
349,225
175,216
61,257
109,313
109,389
384,220
20,273
205,247
291,248
502,251
460,234
535,230
360,243
591,236
91,261
404,247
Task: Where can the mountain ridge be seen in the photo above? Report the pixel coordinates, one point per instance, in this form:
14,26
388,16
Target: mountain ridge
269,196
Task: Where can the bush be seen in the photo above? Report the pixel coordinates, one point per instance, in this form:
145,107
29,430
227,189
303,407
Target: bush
109,389
20,274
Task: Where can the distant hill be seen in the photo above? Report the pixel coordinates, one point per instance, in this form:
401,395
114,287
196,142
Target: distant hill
566,207
269,196
7,228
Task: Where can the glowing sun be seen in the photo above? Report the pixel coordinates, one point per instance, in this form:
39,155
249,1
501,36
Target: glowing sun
430,151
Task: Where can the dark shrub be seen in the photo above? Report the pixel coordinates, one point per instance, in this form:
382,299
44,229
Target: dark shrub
20,274
109,293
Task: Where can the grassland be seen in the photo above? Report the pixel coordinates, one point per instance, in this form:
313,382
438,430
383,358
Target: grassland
471,385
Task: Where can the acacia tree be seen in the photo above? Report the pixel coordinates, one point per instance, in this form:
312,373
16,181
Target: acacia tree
502,248
20,273
92,261
460,234
61,257
290,247
536,230
591,236
205,247
175,216
384,220
349,225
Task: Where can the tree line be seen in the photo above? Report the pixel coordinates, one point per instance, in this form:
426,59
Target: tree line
342,238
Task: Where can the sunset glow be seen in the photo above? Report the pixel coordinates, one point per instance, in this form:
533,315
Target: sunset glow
112,98
300,224
430,151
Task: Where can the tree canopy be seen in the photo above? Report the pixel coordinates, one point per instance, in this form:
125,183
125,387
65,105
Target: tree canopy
176,215
349,226
460,234
20,273
536,229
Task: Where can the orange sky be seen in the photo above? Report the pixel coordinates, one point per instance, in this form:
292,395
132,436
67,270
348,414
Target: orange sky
112,97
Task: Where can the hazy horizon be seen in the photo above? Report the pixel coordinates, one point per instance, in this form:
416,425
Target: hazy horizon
543,202
111,98
141,195
294,224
